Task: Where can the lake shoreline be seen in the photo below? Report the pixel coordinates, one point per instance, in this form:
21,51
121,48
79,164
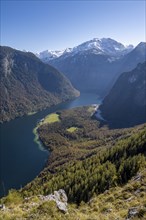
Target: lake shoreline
42,109
27,159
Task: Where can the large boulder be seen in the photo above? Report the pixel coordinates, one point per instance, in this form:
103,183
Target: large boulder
60,198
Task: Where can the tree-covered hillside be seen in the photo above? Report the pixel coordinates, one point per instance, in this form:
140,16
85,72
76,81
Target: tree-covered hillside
89,159
28,85
92,163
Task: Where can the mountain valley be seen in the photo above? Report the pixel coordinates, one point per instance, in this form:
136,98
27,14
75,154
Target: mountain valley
73,110
96,167
95,65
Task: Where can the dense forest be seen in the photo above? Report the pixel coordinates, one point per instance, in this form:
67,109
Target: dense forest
102,170
89,159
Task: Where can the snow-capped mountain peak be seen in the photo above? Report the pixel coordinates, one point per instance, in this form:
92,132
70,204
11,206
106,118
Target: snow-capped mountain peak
47,55
105,46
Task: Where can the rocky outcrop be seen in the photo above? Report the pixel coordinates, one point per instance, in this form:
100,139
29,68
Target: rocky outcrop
2,207
60,198
132,212
136,213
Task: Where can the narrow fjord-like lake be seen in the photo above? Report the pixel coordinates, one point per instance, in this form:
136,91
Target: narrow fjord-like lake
21,159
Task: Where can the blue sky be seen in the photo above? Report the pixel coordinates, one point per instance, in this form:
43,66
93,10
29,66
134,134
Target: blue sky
39,25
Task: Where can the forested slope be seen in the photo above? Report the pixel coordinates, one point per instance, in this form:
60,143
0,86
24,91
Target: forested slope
28,85
92,163
90,159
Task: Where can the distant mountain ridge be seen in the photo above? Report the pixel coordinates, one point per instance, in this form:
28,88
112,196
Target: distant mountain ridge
95,65
137,55
105,46
48,55
126,102
28,85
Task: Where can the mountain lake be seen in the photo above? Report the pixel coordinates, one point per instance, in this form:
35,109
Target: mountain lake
21,159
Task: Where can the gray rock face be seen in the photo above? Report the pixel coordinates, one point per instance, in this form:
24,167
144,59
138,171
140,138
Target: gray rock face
61,206
59,197
2,207
133,211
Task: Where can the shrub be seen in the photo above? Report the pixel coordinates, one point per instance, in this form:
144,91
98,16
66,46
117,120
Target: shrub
13,198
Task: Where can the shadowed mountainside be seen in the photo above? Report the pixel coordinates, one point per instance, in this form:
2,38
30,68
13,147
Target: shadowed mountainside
125,105
28,85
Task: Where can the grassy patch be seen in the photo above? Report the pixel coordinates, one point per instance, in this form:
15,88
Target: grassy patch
51,118
72,129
